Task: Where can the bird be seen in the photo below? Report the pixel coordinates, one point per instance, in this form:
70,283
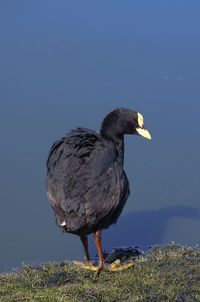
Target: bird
87,186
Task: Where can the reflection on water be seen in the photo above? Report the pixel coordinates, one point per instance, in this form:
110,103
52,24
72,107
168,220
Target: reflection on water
68,69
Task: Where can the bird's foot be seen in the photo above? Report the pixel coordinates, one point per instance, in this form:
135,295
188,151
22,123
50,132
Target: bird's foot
113,267
88,265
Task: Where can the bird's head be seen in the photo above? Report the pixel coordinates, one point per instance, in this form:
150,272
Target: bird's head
124,121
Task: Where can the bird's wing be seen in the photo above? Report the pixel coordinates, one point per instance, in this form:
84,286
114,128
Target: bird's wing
67,176
106,196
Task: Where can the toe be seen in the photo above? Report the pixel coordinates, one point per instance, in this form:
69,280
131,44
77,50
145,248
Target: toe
122,267
116,262
89,266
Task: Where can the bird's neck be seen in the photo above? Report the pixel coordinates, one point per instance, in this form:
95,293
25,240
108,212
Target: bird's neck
119,143
120,147
117,139
110,130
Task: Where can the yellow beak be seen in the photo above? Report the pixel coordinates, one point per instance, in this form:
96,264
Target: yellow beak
141,130
144,132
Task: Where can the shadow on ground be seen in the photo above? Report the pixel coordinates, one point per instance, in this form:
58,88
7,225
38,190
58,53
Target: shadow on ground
144,228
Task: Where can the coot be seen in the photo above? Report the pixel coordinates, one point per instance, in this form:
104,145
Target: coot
86,184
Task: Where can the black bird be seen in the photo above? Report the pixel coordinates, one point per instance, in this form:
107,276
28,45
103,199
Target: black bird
86,184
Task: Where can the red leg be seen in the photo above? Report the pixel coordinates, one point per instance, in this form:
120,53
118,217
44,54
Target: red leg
97,239
102,264
84,240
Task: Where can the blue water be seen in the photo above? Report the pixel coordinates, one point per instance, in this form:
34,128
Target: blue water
67,63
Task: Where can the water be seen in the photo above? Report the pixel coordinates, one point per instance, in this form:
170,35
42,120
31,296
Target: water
67,63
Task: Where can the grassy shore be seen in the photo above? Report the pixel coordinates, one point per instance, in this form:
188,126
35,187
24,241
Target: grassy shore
170,273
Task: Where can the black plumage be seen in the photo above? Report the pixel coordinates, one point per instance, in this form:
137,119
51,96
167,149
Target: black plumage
86,184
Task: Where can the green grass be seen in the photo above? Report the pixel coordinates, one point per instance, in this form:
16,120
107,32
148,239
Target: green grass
170,273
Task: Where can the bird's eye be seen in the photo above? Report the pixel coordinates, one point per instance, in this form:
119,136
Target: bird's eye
132,121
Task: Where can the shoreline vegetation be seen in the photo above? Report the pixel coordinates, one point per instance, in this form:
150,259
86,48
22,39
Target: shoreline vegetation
169,273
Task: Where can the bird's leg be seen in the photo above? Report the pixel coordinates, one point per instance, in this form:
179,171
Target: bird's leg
89,262
97,239
102,264
84,240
